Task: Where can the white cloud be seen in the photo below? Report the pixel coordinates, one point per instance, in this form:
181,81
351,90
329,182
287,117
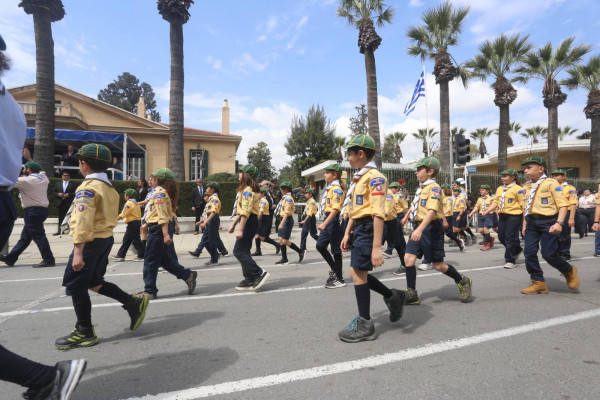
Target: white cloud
415,3
213,62
302,22
261,38
246,62
271,24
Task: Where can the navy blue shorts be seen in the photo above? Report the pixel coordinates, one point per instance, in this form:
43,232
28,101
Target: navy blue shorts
264,225
495,220
431,245
362,247
486,222
332,235
286,232
463,220
95,257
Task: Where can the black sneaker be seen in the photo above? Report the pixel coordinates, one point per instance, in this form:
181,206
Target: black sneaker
260,281
396,304
412,297
136,308
3,259
80,337
68,374
210,263
44,264
335,283
283,261
191,282
400,271
277,248
358,330
194,254
387,254
596,254
256,254
244,286
331,277
301,256
225,254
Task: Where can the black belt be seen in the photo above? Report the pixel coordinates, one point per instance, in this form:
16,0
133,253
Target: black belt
364,220
539,216
152,224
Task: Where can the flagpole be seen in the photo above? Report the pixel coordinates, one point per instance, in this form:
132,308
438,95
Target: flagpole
426,110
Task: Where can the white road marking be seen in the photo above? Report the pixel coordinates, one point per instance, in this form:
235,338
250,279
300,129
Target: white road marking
368,362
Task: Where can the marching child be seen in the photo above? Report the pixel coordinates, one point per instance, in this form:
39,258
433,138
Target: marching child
449,217
285,209
459,215
485,222
330,229
570,194
265,220
544,217
204,243
132,215
401,208
309,224
93,218
144,225
246,220
366,203
210,222
427,238
509,203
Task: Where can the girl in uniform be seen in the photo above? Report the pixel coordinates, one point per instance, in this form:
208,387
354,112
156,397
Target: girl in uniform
449,217
265,220
210,223
285,209
486,222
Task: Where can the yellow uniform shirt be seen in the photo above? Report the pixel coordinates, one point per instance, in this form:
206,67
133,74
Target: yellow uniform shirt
431,198
247,202
368,197
131,211
548,198
448,206
401,204
161,210
335,199
213,205
513,200
311,207
570,194
95,211
483,203
263,206
459,204
390,206
287,205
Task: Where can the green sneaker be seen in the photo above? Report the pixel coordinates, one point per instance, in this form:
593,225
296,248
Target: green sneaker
136,308
412,298
465,286
80,337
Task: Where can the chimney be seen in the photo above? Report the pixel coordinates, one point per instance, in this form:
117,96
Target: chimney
141,108
225,118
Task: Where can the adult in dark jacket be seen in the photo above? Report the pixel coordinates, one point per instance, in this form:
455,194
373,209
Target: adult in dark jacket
64,193
198,202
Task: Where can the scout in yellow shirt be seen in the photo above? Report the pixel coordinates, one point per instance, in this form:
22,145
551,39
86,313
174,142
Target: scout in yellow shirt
398,241
366,203
427,238
285,209
93,217
570,194
509,204
545,212
246,221
265,220
132,216
309,223
210,222
485,222
459,215
448,221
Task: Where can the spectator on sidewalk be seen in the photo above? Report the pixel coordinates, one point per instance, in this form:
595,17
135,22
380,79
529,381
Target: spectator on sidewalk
64,192
198,203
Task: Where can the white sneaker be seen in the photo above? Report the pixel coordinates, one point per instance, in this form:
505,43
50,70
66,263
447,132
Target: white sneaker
425,267
509,265
117,259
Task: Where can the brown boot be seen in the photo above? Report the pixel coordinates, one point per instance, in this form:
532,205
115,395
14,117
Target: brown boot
572,278
536,287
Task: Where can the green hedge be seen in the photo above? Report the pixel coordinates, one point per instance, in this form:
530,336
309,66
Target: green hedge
226,193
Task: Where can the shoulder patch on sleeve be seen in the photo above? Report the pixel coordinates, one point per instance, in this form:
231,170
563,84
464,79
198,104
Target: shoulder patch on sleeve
558,189
84,193
215,201
435,189
377,181
158,195
573,191
522,191
289,200
338,191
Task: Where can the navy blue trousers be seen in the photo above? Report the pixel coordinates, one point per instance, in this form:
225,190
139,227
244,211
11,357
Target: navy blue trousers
537,234
309,227
585,219
242,247
8,215
210,238
565,238
33,229
132,236
509,227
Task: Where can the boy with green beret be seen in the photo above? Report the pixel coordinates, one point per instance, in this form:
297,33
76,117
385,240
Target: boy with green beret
570,194
485,221
285,209
309,224
132,215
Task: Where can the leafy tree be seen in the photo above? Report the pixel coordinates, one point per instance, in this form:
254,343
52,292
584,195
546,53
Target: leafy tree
497,59
481,134
535,133
359,125
514,128
427,139
392,152
285,174
176,13
442,27
546,63
44,13
260,157
311,140
364,14
125,91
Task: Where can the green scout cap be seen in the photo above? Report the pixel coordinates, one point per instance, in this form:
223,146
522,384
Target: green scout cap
309,190
430,162
364,141
95,151
509,171
394,184
164,174
348,186
559,171
35,167
445,185
213,185
286,184
264,190
130,192
456,182
334,167
535,160
485,187
456,189
250,170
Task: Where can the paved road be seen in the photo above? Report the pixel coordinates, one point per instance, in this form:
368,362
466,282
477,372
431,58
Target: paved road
282,343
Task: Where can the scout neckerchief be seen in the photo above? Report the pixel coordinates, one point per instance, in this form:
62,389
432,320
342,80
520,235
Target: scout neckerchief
203,217
324,199
235,203
483,205
534,188
504,189
65,226
355,179
281,203
415,203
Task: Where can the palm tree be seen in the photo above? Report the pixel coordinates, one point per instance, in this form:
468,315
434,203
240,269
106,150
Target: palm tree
566,131
176,13
364,14
481,134
442,28
535,133
498,58
514,128
427,139
588,77
392,151
399,137
44,13
339,142
546,63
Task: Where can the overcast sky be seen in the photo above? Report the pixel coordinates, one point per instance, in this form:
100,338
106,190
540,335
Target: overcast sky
274,59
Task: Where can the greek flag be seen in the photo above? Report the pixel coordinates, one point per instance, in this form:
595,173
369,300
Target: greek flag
419,92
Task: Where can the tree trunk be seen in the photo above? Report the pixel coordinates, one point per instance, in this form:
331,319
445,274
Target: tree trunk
373,114
595,148
445,125
176,160
503,138
44,97
552,138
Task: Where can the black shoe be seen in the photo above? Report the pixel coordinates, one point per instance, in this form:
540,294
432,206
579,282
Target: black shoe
3,259
301,256
244,286
396,304
68,374
191,282
225,254
194,254
136,308
45,264
210,263
256,254
596,254
260,281
80,337
400,271
56,234
283,261
387,254
277,248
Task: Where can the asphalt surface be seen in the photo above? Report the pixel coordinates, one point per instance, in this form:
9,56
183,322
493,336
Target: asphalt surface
281,343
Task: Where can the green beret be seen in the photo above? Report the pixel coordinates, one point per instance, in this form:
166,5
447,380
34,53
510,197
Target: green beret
510,171
485,187
559,171
264,190
250,170
164,174
445,185
35,167
130,192
362,141
394,185
535,160
309,190
213,185
95,151
286,184
456,189
334,167
430,162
